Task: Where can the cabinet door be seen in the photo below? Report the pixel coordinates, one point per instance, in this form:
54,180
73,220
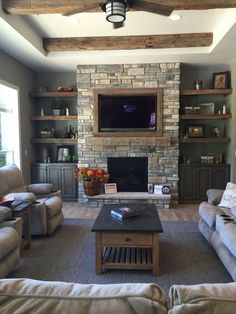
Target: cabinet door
68,182
54,176
203,182
187,180
38,174
220,177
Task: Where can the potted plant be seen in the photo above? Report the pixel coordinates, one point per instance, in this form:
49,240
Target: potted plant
56,106
92,179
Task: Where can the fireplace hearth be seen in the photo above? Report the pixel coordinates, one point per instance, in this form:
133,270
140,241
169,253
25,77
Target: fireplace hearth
129,173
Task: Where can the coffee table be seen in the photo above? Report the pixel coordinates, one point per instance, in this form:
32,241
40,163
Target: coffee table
131,243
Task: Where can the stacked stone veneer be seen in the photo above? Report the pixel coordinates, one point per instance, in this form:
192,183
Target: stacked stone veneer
162,158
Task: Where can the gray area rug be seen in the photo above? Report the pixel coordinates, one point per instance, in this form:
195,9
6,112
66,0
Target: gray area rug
69,255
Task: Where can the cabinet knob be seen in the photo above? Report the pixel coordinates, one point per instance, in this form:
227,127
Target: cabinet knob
127,239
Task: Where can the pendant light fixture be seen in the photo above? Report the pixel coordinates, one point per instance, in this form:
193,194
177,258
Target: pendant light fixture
115,10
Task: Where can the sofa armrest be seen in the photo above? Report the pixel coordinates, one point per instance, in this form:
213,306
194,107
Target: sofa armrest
23,196
214,196
40,188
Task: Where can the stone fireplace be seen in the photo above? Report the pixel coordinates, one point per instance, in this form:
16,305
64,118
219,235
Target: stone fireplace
129,173
161,152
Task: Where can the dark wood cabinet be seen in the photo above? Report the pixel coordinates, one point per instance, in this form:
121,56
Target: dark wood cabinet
196,179
61,175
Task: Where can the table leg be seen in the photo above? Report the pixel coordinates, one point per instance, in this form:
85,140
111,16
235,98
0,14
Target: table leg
155,254
98,253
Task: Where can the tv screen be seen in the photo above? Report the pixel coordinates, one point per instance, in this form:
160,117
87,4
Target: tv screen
127,113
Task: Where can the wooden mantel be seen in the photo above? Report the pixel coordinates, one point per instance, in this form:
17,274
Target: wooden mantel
123,141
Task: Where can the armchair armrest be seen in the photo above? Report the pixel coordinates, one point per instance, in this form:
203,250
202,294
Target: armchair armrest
5,213
40,188
214,196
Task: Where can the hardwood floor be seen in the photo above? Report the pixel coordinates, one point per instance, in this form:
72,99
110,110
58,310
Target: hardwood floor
182,212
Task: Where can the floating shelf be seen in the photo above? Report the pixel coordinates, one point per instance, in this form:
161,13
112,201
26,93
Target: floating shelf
55,118
54,94
205,140
55,140
205,116
194,92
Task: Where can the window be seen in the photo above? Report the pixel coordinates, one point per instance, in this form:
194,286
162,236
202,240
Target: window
9,124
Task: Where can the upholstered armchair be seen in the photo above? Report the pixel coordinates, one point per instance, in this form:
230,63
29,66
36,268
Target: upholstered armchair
10,239
46,214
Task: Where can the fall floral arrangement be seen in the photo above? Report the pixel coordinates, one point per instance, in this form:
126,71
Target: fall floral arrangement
92,175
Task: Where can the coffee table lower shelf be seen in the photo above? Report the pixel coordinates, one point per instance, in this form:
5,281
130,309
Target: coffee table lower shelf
127,258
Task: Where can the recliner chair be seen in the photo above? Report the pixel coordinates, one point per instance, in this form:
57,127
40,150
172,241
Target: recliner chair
46,213
10,239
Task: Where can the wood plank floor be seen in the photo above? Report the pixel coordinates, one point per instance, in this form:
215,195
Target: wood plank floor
182,212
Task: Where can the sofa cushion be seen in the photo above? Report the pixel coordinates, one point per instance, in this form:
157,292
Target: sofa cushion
8,240
208,213
28,295
203,298
11,180
5,213
214,196
223,219
40,188
233,211
229,197
228,236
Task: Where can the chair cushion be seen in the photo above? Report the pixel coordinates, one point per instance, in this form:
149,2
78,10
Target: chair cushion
9,239
11,180
229,197
53,205
5,213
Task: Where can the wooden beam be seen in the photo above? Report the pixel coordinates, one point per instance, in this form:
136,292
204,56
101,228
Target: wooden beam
128,42
61,6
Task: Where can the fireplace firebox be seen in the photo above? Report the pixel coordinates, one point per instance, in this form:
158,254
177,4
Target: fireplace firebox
129,173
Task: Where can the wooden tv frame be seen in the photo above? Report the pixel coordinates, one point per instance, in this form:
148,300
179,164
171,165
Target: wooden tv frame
129,92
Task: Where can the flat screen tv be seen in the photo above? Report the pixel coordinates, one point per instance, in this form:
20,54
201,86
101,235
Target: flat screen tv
136,111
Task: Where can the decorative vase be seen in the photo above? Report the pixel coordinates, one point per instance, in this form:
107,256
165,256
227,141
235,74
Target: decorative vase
92,188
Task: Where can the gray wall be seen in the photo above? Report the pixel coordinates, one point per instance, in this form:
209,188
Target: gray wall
14,72
53,80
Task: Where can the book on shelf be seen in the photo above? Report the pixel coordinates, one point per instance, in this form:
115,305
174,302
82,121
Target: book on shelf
124,212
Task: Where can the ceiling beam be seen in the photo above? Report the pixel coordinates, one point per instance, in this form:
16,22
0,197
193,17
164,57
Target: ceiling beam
128,42
18,7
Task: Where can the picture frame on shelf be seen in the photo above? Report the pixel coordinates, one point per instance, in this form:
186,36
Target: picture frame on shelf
195,130
221,80
110,188
207,108
63,154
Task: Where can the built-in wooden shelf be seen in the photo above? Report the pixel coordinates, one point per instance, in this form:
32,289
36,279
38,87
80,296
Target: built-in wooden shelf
194,92
205,116
54,94
55,118
55,140
205,140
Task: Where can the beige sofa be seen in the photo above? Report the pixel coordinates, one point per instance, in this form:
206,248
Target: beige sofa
40,297
46,214
218,226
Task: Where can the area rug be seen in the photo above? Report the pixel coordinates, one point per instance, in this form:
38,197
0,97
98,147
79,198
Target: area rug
69,255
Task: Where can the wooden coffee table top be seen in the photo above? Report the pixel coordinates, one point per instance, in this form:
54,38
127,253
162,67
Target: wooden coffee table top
148,220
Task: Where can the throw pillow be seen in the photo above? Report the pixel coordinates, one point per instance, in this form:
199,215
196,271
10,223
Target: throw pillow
229,197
